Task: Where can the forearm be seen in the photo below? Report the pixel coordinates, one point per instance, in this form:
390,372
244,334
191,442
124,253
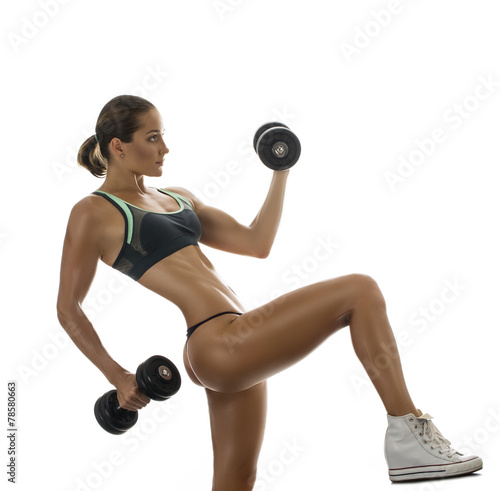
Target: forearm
83,334
265,224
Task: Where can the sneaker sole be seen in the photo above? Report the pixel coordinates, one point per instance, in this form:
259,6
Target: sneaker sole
435,471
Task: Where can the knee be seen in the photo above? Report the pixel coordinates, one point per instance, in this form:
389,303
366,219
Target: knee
366,290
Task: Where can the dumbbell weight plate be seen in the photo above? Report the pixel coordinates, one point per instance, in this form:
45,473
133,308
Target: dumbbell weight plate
158,378
110,418
278,148
263,128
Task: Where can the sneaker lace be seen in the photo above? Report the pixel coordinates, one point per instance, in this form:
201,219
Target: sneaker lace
431,434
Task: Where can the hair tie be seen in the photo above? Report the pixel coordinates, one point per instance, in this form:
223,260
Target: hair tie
95,136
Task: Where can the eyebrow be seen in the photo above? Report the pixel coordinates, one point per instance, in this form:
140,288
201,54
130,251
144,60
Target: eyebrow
151,131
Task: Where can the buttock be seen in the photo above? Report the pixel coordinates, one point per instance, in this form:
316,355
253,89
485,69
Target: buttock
218,321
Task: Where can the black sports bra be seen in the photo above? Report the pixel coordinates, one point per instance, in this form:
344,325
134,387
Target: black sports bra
151,236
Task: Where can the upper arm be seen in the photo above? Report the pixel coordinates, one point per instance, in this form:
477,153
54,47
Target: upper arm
80,255
221,230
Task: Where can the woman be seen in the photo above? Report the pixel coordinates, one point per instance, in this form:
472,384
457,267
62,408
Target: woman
152,236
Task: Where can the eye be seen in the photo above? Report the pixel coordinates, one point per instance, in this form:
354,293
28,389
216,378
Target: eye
155,135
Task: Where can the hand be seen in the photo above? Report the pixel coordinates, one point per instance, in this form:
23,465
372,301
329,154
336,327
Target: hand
129,395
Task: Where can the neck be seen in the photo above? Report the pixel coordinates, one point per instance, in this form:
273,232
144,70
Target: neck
125,182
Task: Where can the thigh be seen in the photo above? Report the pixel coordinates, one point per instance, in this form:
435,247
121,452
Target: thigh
235,355
237,424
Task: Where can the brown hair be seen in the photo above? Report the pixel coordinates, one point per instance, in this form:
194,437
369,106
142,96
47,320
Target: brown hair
119,118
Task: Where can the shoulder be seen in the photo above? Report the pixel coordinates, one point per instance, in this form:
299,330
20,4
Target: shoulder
195,202
88,212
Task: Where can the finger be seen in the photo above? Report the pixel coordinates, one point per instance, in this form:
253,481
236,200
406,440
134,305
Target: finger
129,404
139,402
132,406
136,400
143,399
140,398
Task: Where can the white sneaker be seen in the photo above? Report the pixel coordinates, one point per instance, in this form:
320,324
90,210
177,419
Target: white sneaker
416,449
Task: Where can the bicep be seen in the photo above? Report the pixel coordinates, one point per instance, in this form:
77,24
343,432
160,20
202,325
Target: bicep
80,256
222,231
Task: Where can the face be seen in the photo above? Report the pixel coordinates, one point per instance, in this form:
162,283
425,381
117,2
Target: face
145,153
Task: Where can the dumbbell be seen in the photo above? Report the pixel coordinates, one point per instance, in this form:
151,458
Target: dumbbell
157,378
277,146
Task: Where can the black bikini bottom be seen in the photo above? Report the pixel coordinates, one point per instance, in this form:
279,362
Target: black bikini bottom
193,328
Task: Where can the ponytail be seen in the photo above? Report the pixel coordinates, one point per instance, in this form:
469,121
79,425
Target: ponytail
90,157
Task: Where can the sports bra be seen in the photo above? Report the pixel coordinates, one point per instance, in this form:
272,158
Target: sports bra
151,236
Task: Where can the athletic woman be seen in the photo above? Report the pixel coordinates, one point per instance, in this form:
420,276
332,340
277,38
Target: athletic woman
153,234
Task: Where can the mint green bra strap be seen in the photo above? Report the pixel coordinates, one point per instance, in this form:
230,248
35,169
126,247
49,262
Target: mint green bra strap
178,195
126,211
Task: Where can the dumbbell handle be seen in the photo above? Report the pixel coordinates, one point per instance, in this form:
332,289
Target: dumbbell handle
120,409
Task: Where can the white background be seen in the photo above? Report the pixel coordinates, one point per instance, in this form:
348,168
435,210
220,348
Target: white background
361,87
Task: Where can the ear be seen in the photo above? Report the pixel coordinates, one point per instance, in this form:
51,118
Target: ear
117,146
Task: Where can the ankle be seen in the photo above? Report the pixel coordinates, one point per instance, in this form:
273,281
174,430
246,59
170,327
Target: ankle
404,411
